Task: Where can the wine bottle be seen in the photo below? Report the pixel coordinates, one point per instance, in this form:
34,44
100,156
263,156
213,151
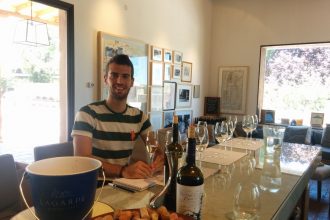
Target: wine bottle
175,150
190,182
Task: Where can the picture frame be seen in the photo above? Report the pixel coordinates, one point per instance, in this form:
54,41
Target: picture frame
186,74
212,106
317,119
177,57
109,45
156,97
156,78
267,116
168,71
185,118
156,119
156,53
168,119
169,95
176,72
168,56
183,96
232,89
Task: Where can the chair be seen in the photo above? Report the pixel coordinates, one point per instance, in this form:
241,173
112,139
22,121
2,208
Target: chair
53,150
11,172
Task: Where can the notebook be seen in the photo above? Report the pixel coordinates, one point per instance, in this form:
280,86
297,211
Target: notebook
135,184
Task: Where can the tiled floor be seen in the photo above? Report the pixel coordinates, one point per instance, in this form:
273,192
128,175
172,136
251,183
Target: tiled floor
318,210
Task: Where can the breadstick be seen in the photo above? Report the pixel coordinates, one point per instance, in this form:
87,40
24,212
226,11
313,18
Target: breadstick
153,214
144,213
125,215
164,214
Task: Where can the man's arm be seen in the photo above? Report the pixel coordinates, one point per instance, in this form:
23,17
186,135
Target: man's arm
83,147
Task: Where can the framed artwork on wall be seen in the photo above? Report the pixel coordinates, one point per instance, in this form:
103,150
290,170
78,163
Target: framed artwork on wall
156,53
186,74
183,96
156,78
156,97
109,45
177,57
176,72
169,90
168,119
167,71
185,118
168,56
232,88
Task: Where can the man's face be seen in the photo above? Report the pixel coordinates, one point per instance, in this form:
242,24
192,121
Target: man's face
119,80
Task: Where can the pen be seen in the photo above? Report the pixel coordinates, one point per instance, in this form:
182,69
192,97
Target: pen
121,187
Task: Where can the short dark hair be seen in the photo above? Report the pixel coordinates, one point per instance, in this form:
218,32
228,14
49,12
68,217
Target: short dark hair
121,59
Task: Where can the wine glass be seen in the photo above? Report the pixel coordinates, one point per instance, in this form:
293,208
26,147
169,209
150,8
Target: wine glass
151,144
221,131
232,122
246,201
247,124
202,140
255,123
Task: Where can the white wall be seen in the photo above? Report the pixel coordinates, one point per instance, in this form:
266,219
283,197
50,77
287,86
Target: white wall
183,25
240,27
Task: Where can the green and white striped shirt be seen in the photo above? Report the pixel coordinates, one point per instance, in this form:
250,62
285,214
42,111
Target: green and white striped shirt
111,132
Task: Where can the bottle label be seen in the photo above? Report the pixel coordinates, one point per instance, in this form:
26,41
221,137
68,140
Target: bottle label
189,200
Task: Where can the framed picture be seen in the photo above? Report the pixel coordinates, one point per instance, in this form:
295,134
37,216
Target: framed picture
169,89
183,97
168,119
156,78
156,97
212,106
167,71
267,116
156,53
232,89
176,72
177,57
317,119
109,45
156,119
186,74
168,56
185,118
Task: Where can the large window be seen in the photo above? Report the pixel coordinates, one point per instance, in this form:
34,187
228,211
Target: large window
294,81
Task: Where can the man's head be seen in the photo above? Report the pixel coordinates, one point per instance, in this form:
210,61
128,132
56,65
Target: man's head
121,59
119,76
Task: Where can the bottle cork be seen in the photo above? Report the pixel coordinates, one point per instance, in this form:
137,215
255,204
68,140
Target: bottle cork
175,119
191,131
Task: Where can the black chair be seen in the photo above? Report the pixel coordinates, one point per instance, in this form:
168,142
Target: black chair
53,150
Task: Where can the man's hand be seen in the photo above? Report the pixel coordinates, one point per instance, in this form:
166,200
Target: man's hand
138,170
158,163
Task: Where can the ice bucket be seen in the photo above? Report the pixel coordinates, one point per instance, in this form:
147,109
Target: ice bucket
63,187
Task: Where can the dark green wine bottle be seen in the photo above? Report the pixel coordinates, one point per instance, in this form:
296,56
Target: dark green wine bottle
190,182
175,149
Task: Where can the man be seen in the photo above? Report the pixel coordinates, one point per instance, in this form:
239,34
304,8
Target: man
107,129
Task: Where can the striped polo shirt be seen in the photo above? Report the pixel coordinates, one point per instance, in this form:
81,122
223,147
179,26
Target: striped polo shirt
111,132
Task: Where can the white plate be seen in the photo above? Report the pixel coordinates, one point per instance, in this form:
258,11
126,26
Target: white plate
99,208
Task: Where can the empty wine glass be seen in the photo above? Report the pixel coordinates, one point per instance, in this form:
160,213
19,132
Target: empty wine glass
221,132
247,124
232,121
202,140
246,201
255,123
151,144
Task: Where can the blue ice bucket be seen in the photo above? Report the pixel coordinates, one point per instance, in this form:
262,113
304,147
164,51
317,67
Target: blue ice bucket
63,187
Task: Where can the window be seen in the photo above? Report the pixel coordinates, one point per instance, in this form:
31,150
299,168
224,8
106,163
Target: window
36,93
294,81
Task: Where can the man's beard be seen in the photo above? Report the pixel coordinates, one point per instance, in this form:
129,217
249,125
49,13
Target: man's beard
115,95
